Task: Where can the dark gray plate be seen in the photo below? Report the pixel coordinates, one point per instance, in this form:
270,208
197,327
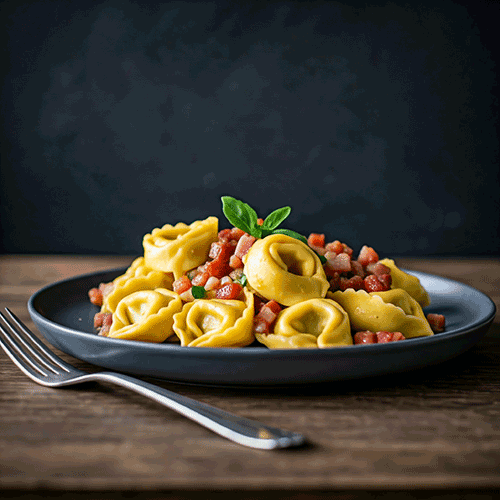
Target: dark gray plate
63,314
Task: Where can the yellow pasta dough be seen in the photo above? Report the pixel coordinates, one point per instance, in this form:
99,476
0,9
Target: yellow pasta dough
309,324
216,322
146,315
284,269
393,311
179,248
137,277
411,284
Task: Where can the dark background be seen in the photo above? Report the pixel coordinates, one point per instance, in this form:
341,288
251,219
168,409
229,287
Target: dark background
377,123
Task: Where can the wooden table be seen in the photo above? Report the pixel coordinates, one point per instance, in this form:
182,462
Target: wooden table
430,432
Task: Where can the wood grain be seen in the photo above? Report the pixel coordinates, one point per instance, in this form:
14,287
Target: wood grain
426,430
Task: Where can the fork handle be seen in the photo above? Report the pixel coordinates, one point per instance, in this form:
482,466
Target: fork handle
238,429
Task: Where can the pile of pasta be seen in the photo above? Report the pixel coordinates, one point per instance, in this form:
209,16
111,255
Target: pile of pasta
203,287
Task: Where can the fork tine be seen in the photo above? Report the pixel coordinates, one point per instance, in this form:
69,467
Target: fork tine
17,342
24,349
17,355
49,354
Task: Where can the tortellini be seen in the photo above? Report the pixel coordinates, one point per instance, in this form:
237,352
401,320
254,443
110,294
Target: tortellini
137,277
411,284
394,311
179,248
279,267
216,322
309,324
146,315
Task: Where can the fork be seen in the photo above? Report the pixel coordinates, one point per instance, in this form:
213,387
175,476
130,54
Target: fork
41,365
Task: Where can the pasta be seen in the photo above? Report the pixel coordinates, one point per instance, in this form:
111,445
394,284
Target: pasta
411,284
394,310
311,323
284,269
146,315
177,249
216,323
256,284
137,277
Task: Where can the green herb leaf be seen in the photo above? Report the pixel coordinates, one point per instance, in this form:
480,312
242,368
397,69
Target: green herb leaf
234,213
198,292
249,215
292,234
242,280
274,219
244,217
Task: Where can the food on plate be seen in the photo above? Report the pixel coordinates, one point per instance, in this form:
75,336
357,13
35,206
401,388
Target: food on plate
310,323
281,268
216,322
411,284
146,315
393,310
138,277
258,283
177,249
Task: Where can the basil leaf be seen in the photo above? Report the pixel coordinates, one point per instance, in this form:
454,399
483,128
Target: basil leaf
242,280
249,215
292,234
233,212
274,219
198,292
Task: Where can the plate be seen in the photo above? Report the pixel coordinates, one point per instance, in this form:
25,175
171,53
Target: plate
64,316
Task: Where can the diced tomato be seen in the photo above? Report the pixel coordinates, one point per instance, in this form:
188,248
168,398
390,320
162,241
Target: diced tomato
383,337
219,266
200,279
273,306
356,282
237,233
224,235
235,262
95,296
181,285
244,245
340,263
373,284
267,315
436,321
316,240
397,336
212,283
229,291
216,248
260,326
357,269
385,279
98,319
260,221
365,337
378,268
367,255
104,321
334,246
